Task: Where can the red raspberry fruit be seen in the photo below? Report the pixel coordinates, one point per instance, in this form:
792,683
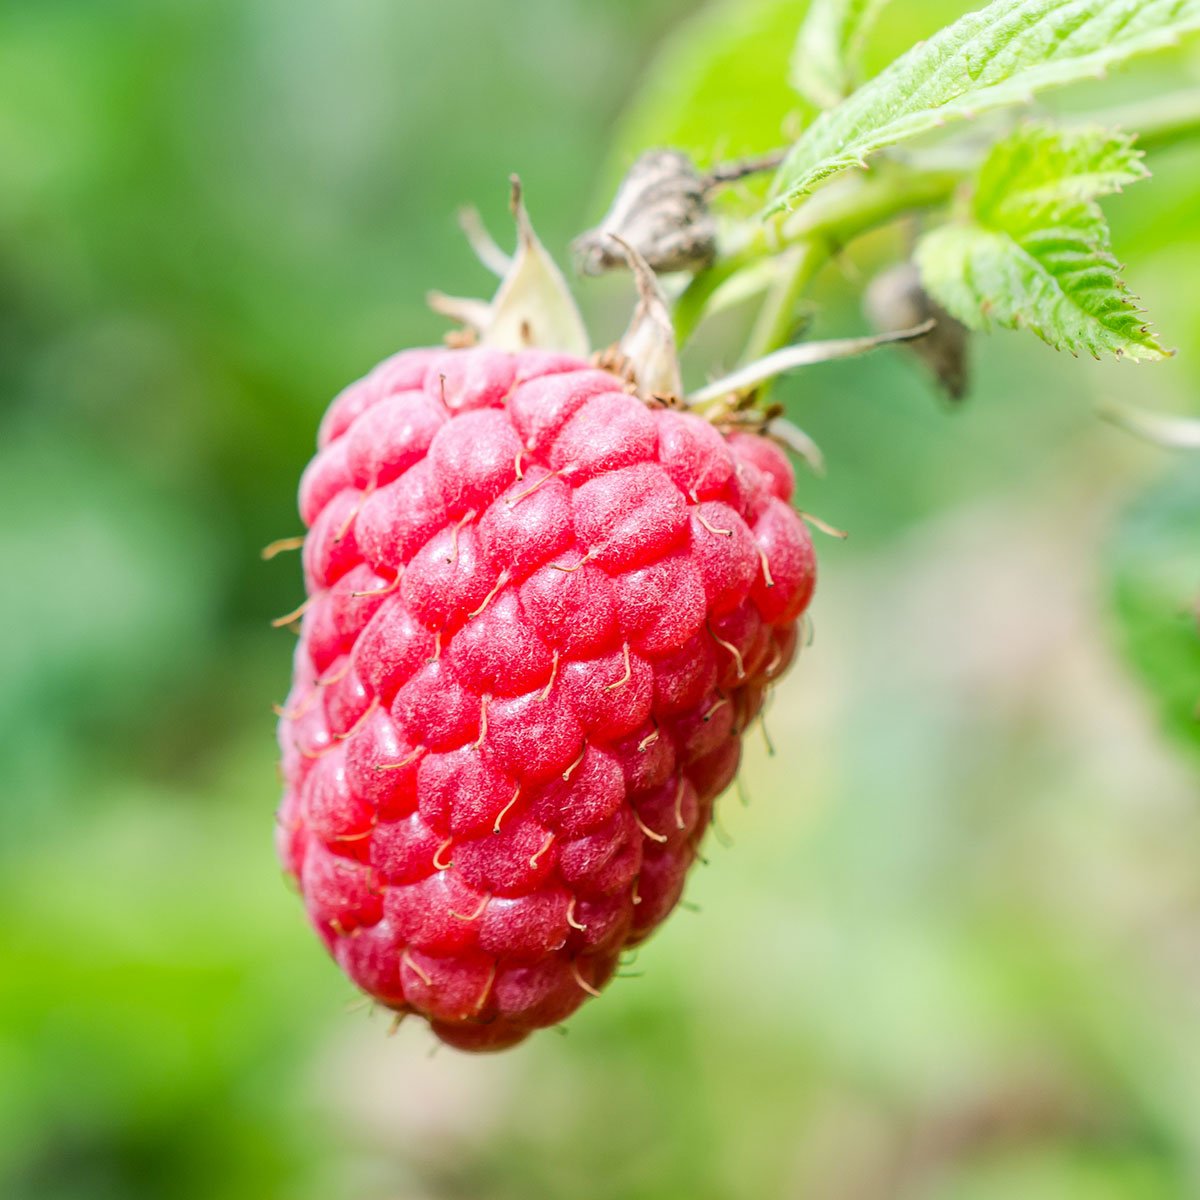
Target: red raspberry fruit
541,614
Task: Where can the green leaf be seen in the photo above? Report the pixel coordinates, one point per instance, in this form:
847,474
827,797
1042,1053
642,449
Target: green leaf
1038,165
1154,570
826,56
998,56
1036,250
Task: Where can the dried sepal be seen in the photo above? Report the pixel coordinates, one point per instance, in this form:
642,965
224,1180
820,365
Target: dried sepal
648,345
789,434
475,315
482,242
533,306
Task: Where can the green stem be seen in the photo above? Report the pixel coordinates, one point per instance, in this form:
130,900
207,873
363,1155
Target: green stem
827,221
838,216
1159,122
856,204
796,267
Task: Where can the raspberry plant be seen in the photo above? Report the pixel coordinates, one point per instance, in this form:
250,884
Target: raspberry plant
548,588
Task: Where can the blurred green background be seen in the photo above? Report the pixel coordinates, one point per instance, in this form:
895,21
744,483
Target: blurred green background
954,950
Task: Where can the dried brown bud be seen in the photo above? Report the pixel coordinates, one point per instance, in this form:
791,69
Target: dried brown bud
661,211
896,300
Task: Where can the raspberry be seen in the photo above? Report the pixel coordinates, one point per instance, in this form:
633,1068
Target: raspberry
541,615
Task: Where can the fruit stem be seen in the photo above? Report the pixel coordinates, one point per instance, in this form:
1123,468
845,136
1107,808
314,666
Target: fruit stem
795,268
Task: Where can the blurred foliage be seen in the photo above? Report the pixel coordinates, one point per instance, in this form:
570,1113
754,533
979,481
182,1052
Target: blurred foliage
1155,563
719,86
953,952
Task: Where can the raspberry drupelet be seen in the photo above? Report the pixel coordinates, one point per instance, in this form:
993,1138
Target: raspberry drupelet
541,614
